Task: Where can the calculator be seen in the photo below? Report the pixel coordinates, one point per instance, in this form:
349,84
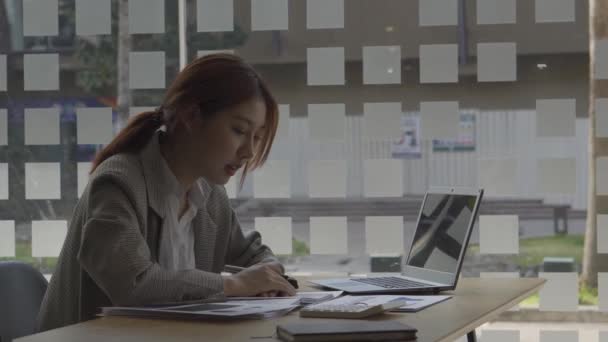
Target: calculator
352,307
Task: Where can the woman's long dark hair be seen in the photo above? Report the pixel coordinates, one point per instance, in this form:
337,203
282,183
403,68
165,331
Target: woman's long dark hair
206,86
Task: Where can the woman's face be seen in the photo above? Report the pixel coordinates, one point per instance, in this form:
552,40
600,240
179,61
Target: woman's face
223,143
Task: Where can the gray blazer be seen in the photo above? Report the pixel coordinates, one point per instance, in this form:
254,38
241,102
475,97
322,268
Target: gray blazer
110,255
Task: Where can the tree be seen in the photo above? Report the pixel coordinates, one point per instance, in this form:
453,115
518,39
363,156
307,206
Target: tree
105,58
123,98
101,71
593,262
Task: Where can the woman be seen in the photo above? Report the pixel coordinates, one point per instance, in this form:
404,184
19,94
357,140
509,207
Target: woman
154,224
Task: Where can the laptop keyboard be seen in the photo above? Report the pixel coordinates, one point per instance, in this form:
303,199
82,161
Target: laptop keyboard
391,282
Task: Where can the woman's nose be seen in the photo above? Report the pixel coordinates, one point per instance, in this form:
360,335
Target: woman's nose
247,150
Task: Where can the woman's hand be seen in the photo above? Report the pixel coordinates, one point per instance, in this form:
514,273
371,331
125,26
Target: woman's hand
260,279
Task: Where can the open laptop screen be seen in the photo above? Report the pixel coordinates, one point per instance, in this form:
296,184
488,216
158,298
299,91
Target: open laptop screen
442,231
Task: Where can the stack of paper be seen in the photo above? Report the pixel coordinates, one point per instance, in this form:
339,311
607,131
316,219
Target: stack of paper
304,297
237,309
417,303
317,297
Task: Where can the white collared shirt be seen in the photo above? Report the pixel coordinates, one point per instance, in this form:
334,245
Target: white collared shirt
176,251
177,237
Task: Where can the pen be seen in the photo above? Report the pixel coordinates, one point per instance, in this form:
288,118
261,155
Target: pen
237,269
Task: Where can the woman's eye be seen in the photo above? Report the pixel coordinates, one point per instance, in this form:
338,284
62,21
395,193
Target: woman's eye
238,131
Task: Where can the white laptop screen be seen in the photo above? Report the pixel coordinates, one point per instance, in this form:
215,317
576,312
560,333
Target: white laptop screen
442,230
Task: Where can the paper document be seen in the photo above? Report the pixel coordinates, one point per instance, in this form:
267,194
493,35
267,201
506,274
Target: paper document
368,300
304,297
241,309
413,303
317,297
417,303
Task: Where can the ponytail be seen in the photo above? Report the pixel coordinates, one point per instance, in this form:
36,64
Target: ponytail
133,137
206,86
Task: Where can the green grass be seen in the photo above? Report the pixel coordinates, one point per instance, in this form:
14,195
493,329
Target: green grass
23,253
533,250
300,248
533,300
531,253
586,296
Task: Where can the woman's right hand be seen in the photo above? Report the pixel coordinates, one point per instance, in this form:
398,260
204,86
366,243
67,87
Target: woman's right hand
258,279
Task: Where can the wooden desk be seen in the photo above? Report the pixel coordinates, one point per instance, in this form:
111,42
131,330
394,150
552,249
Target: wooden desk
475,302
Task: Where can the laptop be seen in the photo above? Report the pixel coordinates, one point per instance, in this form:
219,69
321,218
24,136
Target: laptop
433,264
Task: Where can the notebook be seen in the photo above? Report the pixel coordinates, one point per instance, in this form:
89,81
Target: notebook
359,330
